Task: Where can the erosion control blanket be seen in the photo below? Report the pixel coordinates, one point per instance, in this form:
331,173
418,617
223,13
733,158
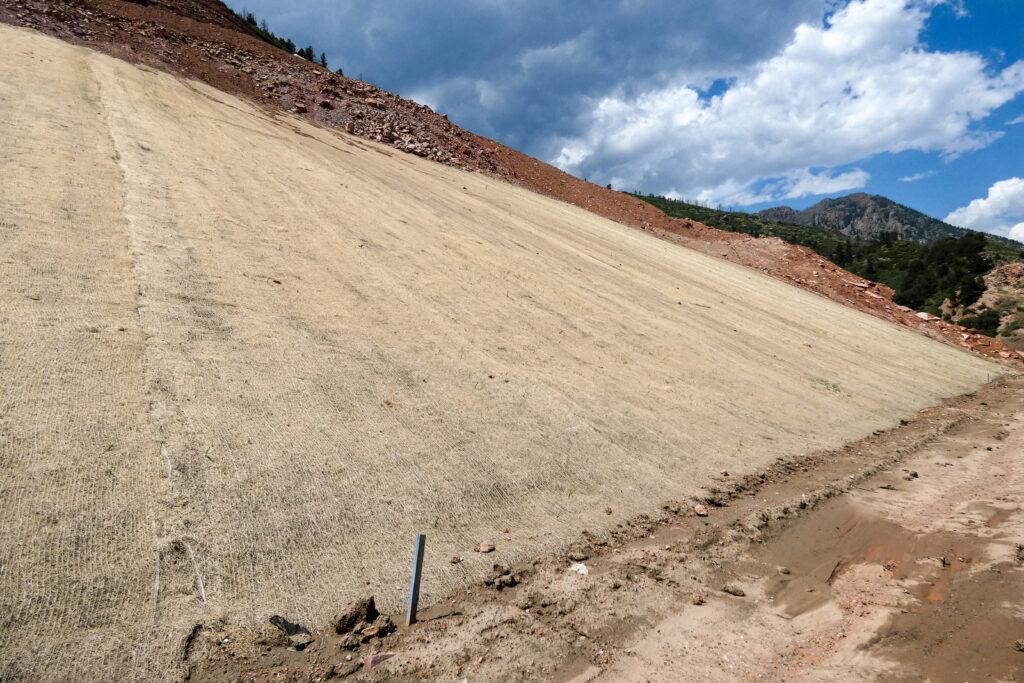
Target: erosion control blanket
244,360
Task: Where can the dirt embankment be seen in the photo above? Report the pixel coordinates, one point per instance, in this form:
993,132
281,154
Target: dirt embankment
896,558
245,359
202,39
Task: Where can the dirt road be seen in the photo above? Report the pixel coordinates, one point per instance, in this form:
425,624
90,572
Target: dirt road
914,574
244,359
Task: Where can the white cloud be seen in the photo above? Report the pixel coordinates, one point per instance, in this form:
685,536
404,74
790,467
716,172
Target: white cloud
915,177
524,71
805,183
1000,212
861,85
1016,121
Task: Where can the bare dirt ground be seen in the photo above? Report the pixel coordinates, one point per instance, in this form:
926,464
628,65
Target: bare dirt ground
900,557
204,40
244,359
916,573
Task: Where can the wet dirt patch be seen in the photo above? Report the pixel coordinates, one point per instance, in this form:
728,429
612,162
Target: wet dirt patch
843,534
959,619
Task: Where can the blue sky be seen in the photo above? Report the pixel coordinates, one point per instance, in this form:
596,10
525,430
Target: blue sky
744,103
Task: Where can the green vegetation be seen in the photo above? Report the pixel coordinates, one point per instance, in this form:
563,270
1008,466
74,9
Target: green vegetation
986,322
923,275
1013,326
263,31
266,35
951,268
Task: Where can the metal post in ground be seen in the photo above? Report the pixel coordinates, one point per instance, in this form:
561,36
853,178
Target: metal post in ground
414,581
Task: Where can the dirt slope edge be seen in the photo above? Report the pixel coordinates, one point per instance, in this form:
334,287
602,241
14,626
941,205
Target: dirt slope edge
897,557
245,359
202,39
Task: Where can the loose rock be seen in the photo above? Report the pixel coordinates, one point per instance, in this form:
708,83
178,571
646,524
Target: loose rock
371,661
356,613
298,636
381,627
501,577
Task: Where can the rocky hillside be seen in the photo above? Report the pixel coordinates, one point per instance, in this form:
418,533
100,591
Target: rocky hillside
1001,307
868,217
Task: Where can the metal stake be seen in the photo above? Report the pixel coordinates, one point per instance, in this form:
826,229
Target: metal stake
414,581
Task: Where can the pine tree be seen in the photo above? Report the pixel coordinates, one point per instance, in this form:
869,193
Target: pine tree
323,60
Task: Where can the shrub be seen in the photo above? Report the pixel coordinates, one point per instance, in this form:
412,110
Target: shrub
1010,329
986,322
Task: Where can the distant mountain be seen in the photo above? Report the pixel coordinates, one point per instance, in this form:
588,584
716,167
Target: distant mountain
867,216
940,277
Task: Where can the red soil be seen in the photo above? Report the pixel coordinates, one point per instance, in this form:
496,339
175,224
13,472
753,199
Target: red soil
204,40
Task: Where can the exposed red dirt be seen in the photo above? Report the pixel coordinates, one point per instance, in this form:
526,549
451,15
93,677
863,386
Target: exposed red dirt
204,40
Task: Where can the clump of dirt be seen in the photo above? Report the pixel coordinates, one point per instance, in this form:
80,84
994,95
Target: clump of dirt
203,39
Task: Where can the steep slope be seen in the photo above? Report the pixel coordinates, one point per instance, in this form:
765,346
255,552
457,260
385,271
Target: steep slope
202,39
244,359
868,217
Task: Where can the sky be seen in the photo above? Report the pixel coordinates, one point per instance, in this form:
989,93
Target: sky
739,103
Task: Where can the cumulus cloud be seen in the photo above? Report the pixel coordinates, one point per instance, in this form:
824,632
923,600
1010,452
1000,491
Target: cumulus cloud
859,85
1000,212
1016,121
525,71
